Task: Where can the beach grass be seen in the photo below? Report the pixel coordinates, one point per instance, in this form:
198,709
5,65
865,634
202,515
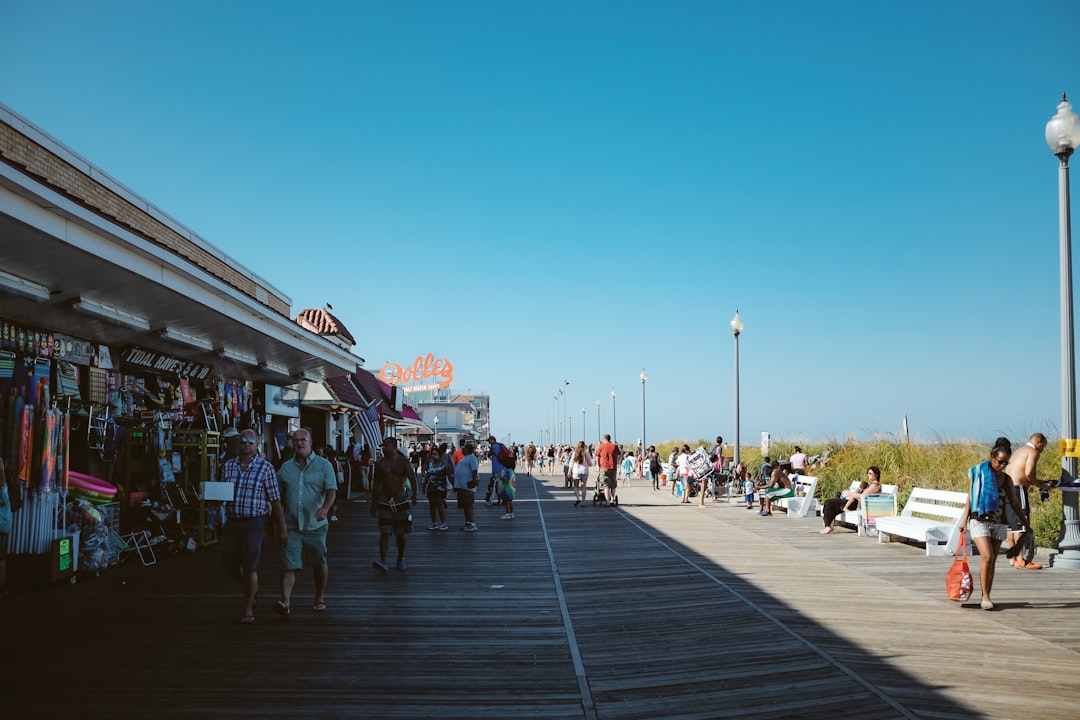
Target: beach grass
942,464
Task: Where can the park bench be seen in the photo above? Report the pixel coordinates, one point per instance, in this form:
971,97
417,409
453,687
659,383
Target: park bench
864,516
929,516
803,504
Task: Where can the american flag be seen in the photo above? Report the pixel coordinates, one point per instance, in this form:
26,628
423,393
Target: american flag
368,420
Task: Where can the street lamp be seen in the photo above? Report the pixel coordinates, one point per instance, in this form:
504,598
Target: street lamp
1063,136
644,377
582,423
598,421
614,428
570,428
555,418
562,435
435,441
736,329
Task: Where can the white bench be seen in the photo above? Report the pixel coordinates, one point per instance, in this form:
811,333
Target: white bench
929,516
803,504
864,516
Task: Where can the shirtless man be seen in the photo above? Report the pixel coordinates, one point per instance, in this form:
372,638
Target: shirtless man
778,487
393,492
1021,469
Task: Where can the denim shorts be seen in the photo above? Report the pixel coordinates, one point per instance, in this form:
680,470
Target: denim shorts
994,531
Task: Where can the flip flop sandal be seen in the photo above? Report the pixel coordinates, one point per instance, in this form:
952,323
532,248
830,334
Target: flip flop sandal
247,619
319,607
281,608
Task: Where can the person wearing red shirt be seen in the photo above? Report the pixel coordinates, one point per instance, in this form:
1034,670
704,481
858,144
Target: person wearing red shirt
607,458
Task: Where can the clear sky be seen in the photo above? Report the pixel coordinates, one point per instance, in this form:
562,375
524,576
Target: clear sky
554,191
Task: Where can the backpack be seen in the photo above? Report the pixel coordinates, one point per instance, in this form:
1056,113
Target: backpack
506,457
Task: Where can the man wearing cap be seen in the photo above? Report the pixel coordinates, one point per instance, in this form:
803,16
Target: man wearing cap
230,447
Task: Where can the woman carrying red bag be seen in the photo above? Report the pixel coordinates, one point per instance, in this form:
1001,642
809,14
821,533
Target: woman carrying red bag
984,515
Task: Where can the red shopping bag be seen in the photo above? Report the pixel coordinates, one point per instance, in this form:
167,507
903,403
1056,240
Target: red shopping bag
958,580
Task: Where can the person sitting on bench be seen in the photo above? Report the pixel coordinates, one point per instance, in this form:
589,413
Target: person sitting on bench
834,507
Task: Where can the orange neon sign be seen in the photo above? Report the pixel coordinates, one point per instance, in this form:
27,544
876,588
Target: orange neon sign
423,368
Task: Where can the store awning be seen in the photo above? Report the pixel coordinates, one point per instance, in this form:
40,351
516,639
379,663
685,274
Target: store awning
345,393
124,274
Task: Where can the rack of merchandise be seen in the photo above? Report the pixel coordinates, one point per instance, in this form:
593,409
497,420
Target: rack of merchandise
199,461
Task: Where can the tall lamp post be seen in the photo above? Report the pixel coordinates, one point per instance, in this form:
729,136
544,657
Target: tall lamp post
644,377
436,440
555,418
1063,137
582,423
736,329
598,421
614,427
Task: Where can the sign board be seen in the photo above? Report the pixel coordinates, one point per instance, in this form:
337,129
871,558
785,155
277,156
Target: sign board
161,364
425,373
282,401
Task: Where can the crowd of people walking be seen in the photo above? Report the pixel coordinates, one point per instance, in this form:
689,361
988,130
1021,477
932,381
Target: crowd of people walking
296,501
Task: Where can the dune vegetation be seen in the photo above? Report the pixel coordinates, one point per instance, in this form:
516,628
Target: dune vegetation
942,465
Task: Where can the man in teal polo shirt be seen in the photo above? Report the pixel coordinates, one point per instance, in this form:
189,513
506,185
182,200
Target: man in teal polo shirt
308,488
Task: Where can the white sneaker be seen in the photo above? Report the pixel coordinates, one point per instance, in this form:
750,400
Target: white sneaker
433,526
444,526
507,516
469,527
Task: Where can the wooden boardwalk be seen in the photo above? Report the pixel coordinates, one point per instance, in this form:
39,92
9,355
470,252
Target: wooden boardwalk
649,610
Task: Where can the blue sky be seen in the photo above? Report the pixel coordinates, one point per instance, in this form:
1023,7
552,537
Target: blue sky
575,191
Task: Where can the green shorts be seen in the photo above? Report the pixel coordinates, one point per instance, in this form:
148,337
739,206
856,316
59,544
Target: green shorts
300,545
395,519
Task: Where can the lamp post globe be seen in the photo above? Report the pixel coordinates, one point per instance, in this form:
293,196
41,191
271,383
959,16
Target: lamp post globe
736,330
1063,137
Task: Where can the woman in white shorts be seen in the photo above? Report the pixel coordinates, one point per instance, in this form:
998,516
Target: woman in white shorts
984,515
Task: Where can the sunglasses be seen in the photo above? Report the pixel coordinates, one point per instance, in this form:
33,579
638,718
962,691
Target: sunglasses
248,441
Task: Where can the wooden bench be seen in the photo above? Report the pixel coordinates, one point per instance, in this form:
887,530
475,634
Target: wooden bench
929,516
803,504
864,516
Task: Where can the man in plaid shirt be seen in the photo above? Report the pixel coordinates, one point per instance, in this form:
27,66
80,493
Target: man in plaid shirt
255,496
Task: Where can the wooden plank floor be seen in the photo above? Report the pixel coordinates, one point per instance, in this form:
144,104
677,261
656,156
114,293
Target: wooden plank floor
649,610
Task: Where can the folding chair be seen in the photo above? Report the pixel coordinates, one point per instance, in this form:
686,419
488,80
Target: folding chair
139,543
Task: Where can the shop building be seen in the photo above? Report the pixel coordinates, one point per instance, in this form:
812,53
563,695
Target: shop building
130,348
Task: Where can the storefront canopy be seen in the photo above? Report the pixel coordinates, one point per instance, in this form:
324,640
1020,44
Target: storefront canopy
82,255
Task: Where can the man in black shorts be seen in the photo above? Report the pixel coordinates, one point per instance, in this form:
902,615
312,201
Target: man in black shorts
393,493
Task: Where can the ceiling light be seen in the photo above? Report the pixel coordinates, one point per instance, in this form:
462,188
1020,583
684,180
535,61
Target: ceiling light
185,339
237,356
18,286
112,314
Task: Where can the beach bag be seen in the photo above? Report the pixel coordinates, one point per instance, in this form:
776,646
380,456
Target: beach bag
507,457
580,471
958,581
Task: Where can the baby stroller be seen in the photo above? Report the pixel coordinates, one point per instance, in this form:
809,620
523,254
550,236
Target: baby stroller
600,492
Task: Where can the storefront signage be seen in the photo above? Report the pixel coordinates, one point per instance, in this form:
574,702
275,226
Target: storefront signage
282,401
163,364
437,373
40,343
